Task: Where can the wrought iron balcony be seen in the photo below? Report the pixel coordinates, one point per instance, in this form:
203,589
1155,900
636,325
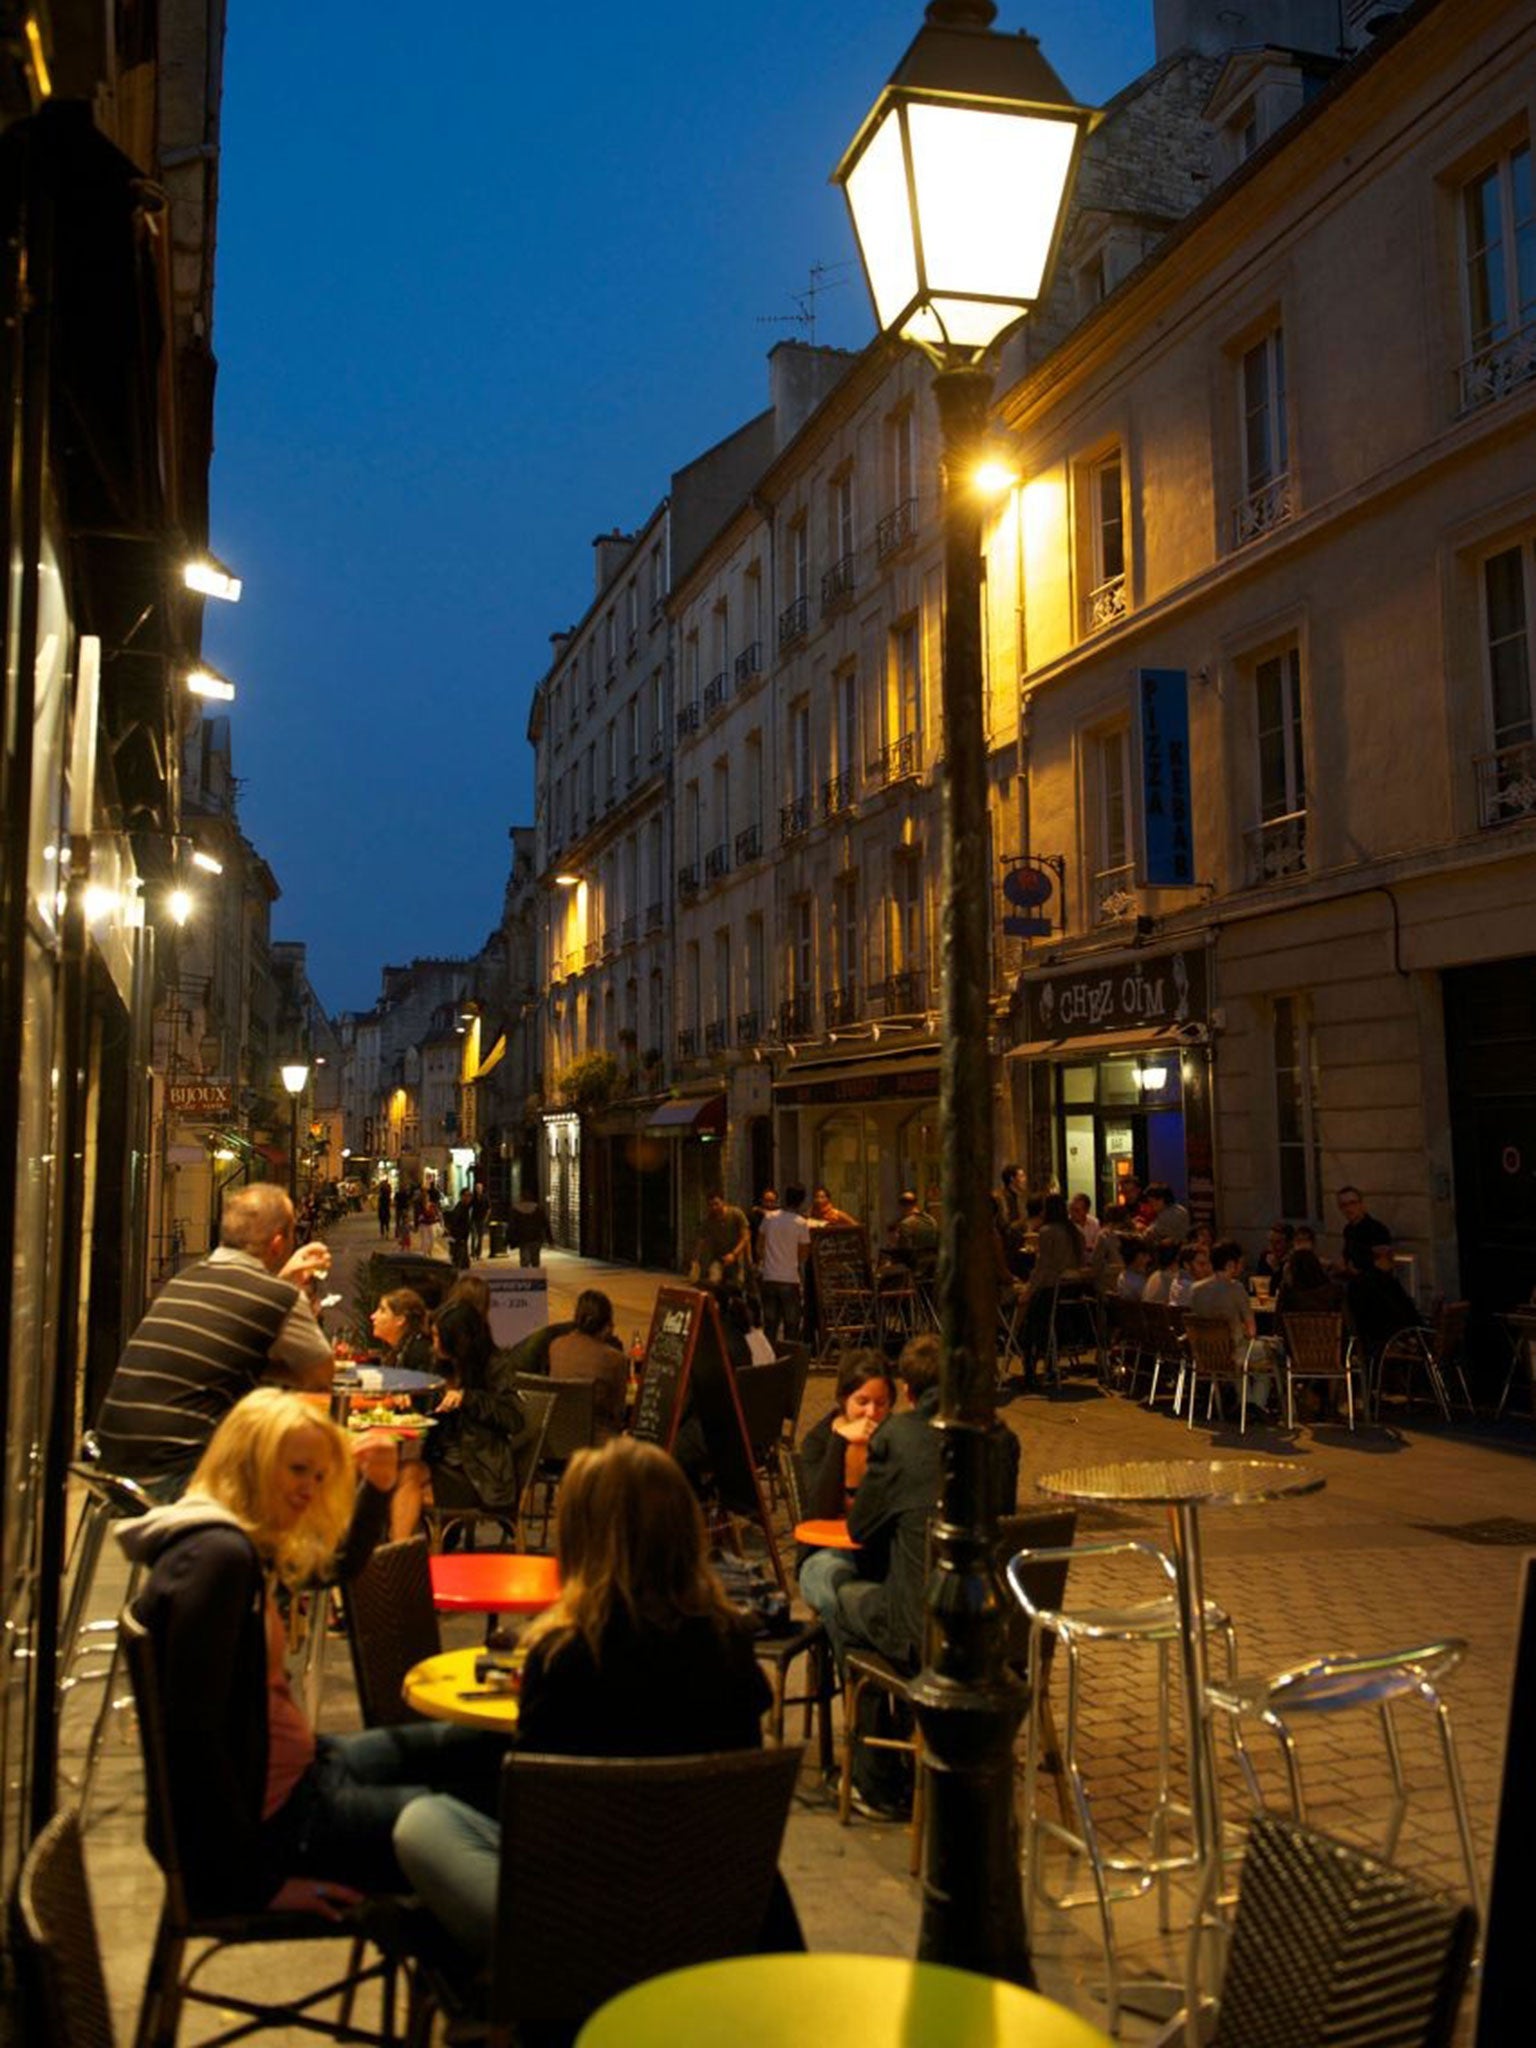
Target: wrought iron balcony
837,794
901,761
658,610
631,643
611,940
717,694
1503,366
657,743
749,663
590,953
749,844
611,668
687,1044
1106,604
1269,506
841,1006
1112,894
687,719
837,584
1506,784
1277,848
655,916
794,819
896,529
794,622
747,1032
629,930
717,1035
902,994
795,1015
688,879
717,863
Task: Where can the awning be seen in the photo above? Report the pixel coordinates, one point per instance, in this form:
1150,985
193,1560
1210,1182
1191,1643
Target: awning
694,1115
1088,1048
492,1059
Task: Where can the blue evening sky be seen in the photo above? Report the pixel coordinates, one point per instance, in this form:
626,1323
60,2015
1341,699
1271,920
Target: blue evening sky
487,275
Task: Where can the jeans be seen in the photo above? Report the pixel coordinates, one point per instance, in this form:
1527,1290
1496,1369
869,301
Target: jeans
451,1856
339,1820
781,1309
822,1575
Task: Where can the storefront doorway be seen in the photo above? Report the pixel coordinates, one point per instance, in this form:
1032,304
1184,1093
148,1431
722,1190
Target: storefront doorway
1117,1118
1490,1038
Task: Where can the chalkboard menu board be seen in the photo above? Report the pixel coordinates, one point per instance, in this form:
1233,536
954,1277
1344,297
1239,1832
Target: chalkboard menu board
840,1261
686,1360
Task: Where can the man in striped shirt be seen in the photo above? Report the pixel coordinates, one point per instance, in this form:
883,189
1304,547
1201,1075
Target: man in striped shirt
236,1318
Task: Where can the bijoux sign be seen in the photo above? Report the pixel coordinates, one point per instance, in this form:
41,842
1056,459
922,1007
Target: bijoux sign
213,1100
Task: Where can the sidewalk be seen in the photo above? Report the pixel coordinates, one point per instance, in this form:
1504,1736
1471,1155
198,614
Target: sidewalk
1417,1534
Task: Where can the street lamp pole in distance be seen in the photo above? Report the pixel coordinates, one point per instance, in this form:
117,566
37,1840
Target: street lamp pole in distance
295,1079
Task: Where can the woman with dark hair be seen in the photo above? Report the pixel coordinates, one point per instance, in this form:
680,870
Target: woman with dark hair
641,1655
1059,1256
833,1456
400,1324
1305,1288
470,1456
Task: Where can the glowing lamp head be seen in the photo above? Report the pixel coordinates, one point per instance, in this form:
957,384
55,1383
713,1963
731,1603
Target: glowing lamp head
207,575
957,182
1152,1077
994,477
207,862
207,682
295,1074
567,881
179,905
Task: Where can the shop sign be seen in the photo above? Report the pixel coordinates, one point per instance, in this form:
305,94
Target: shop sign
1167,829
1032,892
1155,993
921,1085
210,1100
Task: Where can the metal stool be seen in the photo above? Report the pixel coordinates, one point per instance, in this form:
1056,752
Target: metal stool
1337,1683
109,1498
1150,1624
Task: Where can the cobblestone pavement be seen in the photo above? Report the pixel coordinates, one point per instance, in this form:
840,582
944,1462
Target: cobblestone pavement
1380,1559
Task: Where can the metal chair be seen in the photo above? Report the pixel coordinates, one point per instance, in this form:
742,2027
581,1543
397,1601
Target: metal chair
65,1980
1315,1349
1163,1334
1341,1682
391,1625
1329,1945
109,1498
538,1397
1146,1624
1432,1350
1213,1358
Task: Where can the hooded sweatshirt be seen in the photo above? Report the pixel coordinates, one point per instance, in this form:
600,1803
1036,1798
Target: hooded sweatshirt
202,1601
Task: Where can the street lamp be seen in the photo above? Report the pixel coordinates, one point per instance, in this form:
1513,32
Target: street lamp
957,183
295,1078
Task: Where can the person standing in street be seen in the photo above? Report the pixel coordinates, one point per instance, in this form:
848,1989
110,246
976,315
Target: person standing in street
784,1245
724,1245
385,1208
459,1228
243,1315
479,1216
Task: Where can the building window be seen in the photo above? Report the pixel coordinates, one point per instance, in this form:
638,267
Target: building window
800,968
1113,876
1507,776
906,906
845,945
1106,515
1498,254
904,699
1298,1151
800,558
1278,844
1266,483
800,748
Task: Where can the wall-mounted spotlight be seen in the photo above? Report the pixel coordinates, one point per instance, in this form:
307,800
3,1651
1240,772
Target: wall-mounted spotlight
206,862
207,682
179,904
207,575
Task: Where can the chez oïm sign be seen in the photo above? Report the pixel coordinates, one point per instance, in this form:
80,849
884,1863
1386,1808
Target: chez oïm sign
1157,992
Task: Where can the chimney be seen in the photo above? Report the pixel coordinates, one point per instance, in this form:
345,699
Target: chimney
609,553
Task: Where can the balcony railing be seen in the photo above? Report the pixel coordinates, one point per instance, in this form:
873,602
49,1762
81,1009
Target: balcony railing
1506,784
896,529
717,694
1262,510
629,930
901,761
794,819
749,663
655,916
688,879
1503,366
717,863
611,941
687,719
1106,604
794,622
749,844
747,1032
717,1035
631,642
837,794
590,953
901,994
657,743
795,1015
837,584
1277,848
687,1044
841,1006
1112,894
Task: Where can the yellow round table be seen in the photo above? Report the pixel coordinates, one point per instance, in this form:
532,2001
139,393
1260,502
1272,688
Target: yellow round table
879,2001
445,1688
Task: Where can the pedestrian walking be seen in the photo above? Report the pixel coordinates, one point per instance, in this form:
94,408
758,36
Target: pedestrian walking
784,1245
479,1217
386,1207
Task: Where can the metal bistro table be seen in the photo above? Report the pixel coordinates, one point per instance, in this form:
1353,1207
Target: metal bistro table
1520,1329
1184,1486
350,1386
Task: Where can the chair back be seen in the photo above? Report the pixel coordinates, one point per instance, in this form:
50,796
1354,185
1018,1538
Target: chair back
792,1474
798,1358
159,1821
1315,1342
539,1405
764,1393
572,1424
672,1859
122,1498
1210,1346
391,1625
59,1929
1451,1329
1330,1945
1044,1579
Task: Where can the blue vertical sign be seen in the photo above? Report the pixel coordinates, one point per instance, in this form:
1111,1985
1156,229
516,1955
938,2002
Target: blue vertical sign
1167,828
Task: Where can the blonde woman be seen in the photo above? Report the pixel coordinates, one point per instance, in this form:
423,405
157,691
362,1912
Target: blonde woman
642,1655
267,1813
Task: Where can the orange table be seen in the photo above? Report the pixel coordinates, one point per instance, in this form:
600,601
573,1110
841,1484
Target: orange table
824,1535
495,1582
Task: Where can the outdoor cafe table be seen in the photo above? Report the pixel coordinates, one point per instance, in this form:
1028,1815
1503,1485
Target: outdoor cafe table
445,1688
1184,1486
494,1582
824,1535
781,2001
347,1385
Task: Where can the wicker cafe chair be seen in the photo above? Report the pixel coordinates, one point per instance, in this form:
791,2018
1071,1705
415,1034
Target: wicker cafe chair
1331,1946
572,1427
1213,1359
538,1411
391,1625
1315,1350
171,1982
64,1980
615,1869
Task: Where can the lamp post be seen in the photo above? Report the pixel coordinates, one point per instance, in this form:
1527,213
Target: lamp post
295,1078
957,182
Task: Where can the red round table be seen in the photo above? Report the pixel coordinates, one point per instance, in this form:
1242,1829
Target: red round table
825,1535
496,1582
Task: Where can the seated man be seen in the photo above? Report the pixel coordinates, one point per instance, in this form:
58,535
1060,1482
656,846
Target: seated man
914,1236
590,1351
1379,1306
1224,1298
242,1315
1170,1218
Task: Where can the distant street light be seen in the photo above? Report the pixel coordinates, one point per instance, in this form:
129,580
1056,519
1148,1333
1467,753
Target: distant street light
958,182
295,1079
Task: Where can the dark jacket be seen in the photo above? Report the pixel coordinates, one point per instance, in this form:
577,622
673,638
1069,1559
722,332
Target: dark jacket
481,1435
202,1605
654,1692
823,1456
